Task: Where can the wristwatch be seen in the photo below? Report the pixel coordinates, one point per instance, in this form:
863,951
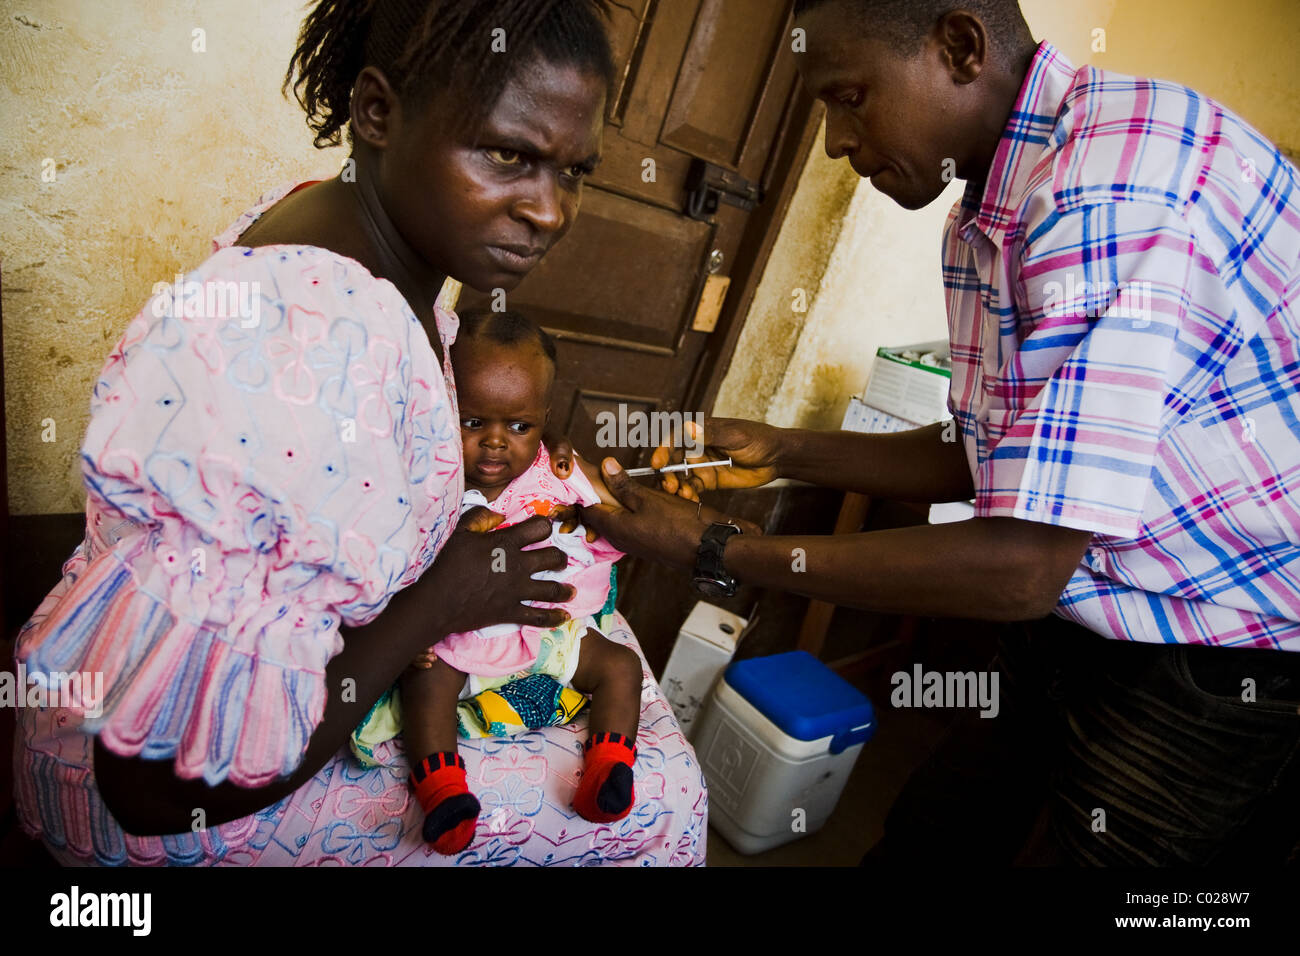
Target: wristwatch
711,578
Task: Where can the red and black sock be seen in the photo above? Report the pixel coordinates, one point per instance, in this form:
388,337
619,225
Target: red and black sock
451,812
605,793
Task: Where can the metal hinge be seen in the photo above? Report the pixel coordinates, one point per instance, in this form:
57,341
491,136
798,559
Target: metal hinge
707,185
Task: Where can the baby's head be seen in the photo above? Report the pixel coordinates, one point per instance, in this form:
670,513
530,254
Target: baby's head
505,368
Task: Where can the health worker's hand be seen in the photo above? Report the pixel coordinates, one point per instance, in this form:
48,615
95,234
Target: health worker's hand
752,447
648,523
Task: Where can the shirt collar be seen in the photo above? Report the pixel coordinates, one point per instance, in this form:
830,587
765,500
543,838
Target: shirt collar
991,207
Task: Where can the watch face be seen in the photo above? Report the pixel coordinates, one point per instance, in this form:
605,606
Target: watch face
710,588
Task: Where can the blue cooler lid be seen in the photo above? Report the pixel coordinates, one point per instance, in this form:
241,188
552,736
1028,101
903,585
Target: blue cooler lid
804,697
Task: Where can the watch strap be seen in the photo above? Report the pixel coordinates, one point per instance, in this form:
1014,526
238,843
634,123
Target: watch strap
708,560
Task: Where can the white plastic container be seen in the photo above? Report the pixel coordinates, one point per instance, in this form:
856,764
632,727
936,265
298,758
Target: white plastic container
767,786
704,646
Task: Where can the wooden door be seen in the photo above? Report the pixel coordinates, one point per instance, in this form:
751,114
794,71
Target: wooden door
699,81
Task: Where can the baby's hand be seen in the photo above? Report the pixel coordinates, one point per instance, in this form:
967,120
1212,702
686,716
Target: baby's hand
569,517
424,661
562,454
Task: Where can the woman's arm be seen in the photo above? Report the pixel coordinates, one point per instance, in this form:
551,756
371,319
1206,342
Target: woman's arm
459,592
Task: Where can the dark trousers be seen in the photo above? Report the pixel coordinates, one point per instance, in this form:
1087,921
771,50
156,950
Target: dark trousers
1112,753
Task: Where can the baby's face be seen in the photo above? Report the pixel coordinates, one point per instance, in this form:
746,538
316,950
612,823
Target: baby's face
504,395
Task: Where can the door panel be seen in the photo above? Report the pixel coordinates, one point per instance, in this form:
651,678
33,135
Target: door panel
662,44
723,73
606,277
628,35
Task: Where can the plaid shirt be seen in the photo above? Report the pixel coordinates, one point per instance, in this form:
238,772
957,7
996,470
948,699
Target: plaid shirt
1122,299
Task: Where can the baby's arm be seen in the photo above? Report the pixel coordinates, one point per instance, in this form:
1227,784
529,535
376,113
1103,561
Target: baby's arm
570,516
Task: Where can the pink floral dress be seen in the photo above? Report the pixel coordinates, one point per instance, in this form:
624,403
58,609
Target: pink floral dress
274,451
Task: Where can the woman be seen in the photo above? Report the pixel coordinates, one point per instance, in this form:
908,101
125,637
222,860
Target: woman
259,491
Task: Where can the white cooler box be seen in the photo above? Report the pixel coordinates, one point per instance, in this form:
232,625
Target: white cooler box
777,740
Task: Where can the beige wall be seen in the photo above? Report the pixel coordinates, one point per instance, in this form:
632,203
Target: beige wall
156,148
1246,55
881,285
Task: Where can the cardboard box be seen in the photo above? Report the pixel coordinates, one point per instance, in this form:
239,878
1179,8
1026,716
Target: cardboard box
911,382
908,389
861,417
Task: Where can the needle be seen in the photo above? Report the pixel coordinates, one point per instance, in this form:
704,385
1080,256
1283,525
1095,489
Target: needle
670,469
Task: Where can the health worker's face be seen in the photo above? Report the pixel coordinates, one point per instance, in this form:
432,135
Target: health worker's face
891,115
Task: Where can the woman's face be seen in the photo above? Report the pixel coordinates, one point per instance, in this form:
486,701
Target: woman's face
485,212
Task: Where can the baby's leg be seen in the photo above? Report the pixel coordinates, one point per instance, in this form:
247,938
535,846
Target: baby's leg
611,673
429,697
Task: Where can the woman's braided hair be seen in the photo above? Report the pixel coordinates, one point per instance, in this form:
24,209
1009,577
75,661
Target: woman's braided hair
427,45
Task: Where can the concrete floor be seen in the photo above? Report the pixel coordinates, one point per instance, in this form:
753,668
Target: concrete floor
902,741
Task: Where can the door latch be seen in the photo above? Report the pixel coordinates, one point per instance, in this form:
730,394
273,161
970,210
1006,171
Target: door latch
708,184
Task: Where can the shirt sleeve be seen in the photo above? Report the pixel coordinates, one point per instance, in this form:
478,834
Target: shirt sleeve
1122,324
257,475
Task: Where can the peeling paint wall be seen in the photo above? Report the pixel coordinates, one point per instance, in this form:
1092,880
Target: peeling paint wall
880,288
155,147
790,283
880,283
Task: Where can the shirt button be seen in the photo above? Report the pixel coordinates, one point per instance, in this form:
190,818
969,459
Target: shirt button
1098,559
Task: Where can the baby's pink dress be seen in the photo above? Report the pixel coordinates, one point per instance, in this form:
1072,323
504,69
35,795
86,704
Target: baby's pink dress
508,648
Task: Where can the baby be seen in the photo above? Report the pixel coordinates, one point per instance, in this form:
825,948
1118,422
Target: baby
505,368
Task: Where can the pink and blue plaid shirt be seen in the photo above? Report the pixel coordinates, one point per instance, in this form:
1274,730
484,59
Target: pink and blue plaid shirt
1122,299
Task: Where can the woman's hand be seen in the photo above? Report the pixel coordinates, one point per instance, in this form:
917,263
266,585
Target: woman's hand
754,449
479,520
481,577
650,524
